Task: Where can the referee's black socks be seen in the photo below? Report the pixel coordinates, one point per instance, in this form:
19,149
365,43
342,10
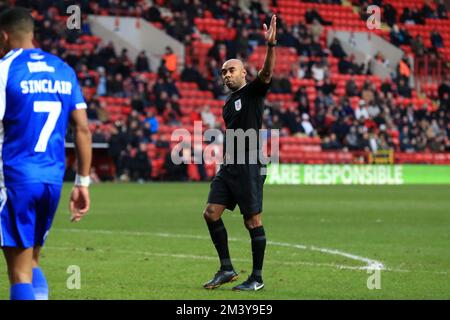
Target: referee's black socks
258,237
219,237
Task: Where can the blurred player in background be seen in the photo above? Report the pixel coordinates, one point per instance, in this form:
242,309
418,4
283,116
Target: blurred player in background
39,93
241,184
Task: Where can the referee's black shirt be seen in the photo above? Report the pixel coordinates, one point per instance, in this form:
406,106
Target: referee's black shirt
244,109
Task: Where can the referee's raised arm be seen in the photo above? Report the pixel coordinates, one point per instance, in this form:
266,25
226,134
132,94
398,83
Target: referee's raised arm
265,74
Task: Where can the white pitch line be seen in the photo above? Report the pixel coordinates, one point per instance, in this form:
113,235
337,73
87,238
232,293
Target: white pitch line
370,263
197,257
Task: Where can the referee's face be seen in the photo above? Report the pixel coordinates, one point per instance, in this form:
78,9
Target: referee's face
233,74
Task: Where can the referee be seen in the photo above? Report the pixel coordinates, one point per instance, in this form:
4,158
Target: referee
237,183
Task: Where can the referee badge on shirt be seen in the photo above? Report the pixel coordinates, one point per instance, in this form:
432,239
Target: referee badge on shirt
238,104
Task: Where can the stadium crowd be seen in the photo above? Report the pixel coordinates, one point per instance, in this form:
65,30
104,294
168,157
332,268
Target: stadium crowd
378,122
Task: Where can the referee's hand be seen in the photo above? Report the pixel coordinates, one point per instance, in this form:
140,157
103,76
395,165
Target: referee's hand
270,34
79,203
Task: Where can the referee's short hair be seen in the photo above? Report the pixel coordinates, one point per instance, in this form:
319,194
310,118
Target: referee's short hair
17,20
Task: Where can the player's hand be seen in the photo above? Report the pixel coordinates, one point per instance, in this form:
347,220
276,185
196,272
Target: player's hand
270,34
79,203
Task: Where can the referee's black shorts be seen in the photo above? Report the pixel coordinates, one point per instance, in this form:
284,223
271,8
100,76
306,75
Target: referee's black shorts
240,184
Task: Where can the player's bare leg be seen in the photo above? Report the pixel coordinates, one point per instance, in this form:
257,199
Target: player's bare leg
253,223
19,263
212,216
40,285
213,212
36,254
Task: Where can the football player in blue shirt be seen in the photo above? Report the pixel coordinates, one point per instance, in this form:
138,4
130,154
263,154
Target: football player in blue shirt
39,94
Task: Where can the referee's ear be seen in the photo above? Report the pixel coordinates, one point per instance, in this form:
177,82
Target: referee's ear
3,37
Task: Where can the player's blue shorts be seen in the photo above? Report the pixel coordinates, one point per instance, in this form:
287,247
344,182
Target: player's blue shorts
26,213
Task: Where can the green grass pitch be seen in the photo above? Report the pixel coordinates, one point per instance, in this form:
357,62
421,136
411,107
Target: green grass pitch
149,241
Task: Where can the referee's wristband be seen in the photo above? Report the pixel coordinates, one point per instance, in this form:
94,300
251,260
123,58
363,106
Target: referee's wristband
81,181
272,44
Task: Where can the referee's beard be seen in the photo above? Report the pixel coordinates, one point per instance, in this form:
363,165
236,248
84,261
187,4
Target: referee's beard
234,85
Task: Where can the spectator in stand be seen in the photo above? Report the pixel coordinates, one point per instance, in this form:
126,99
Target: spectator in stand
175,172
117,145
286,39
336,49
142,62
161,102
191,74
427,11
444,102
328,87
367,92
208,117
436,39
362,112
351,89
417,16
218,89
86,79
98,136
363,142
102,89
312,14
276,122
152,121
280,84
315,48
96,112
315,29
347,65
304,68
171,115
115,86
218,52
107,52
170,59
351,140
373,142
390,14
418,47
407,17
404,70
331,143
307,127
441,10
399,36
124,64
137,103
170,87
153,14
141,168
175,101
301,93
403,88
289,119
444,87
340,127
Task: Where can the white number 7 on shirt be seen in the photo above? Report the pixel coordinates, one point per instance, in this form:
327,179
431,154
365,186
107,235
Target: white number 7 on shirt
53,108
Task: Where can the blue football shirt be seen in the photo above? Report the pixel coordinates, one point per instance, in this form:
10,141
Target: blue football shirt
38,91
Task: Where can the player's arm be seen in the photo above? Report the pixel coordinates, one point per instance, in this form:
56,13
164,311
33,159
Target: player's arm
265,74
79,199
